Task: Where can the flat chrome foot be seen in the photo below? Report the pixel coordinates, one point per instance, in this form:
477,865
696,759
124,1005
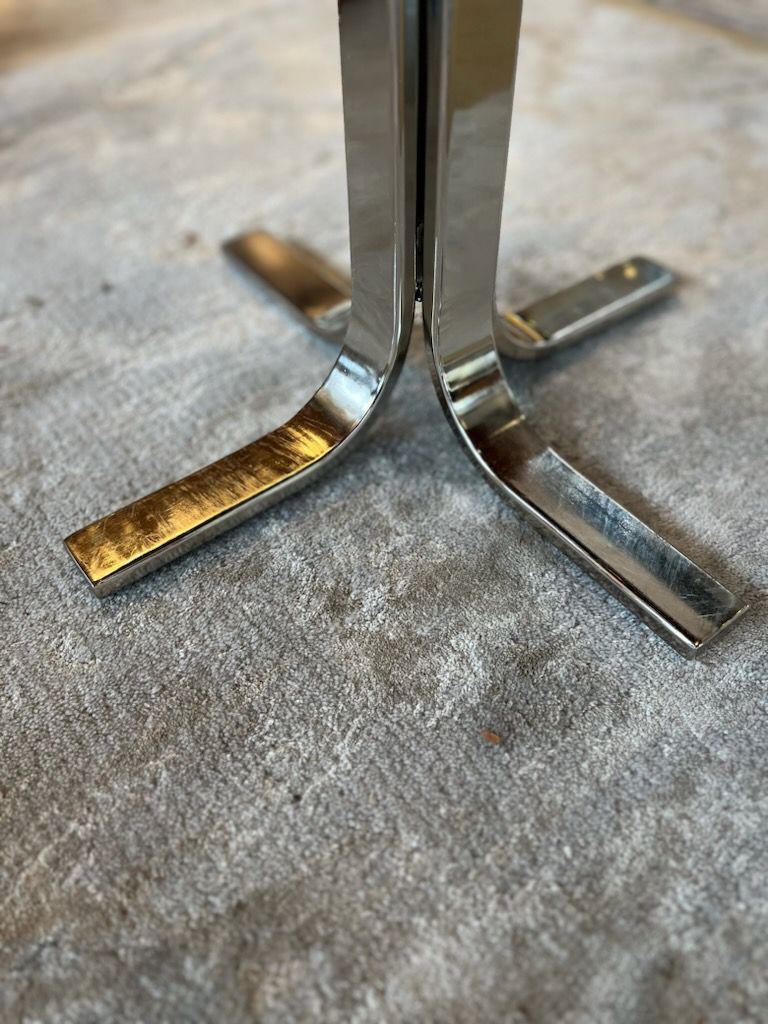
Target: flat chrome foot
311,288
583,309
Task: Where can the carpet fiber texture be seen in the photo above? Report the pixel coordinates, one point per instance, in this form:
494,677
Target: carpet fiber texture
381,754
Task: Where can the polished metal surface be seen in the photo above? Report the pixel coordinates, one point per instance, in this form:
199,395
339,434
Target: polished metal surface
319,295
582,309
473,46
379,85
308,285
426,175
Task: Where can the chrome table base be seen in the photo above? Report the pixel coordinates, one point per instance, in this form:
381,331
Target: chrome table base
427,108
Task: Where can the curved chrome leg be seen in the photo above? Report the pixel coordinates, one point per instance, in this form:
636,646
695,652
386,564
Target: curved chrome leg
319,295
379,84
472,68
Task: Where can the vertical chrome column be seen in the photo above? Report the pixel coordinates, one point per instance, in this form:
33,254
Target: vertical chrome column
379,79
472,57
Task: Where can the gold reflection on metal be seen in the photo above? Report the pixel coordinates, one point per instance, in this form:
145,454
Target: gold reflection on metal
527,329
308,283
122,538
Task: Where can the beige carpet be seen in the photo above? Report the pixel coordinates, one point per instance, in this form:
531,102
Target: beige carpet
261,785
749,18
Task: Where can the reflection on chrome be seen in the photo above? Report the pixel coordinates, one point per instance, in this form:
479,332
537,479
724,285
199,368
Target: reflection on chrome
473,46
377,37
448,154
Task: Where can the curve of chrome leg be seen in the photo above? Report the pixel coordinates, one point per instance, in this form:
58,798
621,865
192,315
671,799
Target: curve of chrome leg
379,118
473,44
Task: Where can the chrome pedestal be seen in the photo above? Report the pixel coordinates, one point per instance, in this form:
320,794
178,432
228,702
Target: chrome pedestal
427,107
